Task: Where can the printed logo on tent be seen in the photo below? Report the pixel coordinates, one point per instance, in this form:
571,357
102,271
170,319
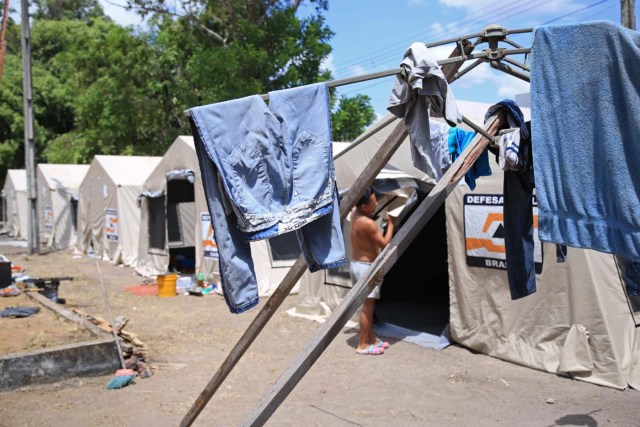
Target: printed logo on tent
48,218
111,225
484,232
208,243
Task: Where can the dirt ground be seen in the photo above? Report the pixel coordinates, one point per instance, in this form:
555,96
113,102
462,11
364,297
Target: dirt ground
189,337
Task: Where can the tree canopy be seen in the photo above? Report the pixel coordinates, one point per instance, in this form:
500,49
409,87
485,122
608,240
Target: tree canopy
100,88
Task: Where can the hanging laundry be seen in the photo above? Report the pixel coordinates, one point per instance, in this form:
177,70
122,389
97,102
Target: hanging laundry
458,141
585,105
518,206
508,149
419,92
268,170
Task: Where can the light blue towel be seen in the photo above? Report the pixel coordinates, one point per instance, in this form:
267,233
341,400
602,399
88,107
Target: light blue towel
585,109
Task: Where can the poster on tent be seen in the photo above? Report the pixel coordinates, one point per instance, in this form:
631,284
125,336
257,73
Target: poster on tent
484,232
111,225
48,218
208,243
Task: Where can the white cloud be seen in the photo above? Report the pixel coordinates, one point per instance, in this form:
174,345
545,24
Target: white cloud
503,7
116,11
494,81
414,2
356,70
327,64
509,88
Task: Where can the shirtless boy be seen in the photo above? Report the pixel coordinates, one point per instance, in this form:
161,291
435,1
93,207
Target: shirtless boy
366,243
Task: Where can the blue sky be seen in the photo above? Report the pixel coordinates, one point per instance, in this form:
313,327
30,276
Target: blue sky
372,35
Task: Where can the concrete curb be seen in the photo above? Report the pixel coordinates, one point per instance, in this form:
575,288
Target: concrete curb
97,357
54,364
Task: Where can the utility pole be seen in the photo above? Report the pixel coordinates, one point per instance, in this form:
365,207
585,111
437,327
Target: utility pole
29,141
628,14
3,43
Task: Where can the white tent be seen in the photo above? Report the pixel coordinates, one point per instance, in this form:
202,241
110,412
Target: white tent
57,203
175,221
108,214
16,203
578,323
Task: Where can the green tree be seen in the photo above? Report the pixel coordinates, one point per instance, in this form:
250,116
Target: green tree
84,10
103,89
351,118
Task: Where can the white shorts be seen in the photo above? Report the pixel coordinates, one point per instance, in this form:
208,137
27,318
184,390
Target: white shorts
357,270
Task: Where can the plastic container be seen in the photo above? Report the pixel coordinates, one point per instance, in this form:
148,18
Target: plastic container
167,285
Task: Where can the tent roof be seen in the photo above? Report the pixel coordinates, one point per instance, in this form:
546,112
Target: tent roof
128,170
63,176
19,179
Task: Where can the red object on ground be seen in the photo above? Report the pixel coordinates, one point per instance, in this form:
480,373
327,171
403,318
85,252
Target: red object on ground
142,290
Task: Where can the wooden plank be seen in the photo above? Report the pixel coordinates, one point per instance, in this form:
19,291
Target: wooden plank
379,160
450,70
366,178
400,242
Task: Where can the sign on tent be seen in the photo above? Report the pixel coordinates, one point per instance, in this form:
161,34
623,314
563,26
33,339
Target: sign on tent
111,225
484,232
208,243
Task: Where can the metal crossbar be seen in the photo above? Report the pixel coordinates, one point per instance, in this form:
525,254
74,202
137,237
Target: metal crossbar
387,257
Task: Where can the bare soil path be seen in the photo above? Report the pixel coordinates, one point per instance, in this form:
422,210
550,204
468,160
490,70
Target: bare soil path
189,337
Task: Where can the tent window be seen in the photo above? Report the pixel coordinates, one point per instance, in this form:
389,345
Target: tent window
174,229
284,250
74,213
180,191
157,221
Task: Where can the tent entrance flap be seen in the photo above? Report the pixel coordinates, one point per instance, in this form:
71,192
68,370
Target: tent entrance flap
156,225
180,220
415,291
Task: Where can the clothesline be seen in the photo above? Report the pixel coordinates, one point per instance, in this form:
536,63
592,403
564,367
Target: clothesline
493,54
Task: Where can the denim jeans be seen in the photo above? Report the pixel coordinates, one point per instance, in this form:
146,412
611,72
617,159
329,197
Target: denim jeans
518,209
268,170
561,253
518,230
631,277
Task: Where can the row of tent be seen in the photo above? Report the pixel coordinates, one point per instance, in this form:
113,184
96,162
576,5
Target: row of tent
150,213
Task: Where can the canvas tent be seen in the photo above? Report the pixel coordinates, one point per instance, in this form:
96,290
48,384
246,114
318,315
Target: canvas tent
58,203
171,205
578,321
321,292
175,221
16,203
109,217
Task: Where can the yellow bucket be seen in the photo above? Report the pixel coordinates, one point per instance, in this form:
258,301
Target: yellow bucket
167,285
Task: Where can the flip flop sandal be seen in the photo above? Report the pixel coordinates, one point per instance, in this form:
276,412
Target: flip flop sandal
371,350
382,344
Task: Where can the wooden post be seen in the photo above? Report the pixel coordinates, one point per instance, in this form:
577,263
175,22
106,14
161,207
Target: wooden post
400,242
379,160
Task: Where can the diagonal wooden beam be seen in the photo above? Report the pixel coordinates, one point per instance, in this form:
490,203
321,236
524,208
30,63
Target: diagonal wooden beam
356,296
379,160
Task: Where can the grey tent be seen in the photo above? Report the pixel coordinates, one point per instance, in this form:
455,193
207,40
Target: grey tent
578,323
57,203
108,214
16,207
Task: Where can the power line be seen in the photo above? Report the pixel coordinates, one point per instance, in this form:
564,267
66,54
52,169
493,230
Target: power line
574,12
385,54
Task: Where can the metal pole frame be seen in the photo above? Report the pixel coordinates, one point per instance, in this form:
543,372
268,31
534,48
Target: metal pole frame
387,257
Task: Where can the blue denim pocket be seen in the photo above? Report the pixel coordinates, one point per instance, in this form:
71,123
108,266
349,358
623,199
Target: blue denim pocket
312,168
251,188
